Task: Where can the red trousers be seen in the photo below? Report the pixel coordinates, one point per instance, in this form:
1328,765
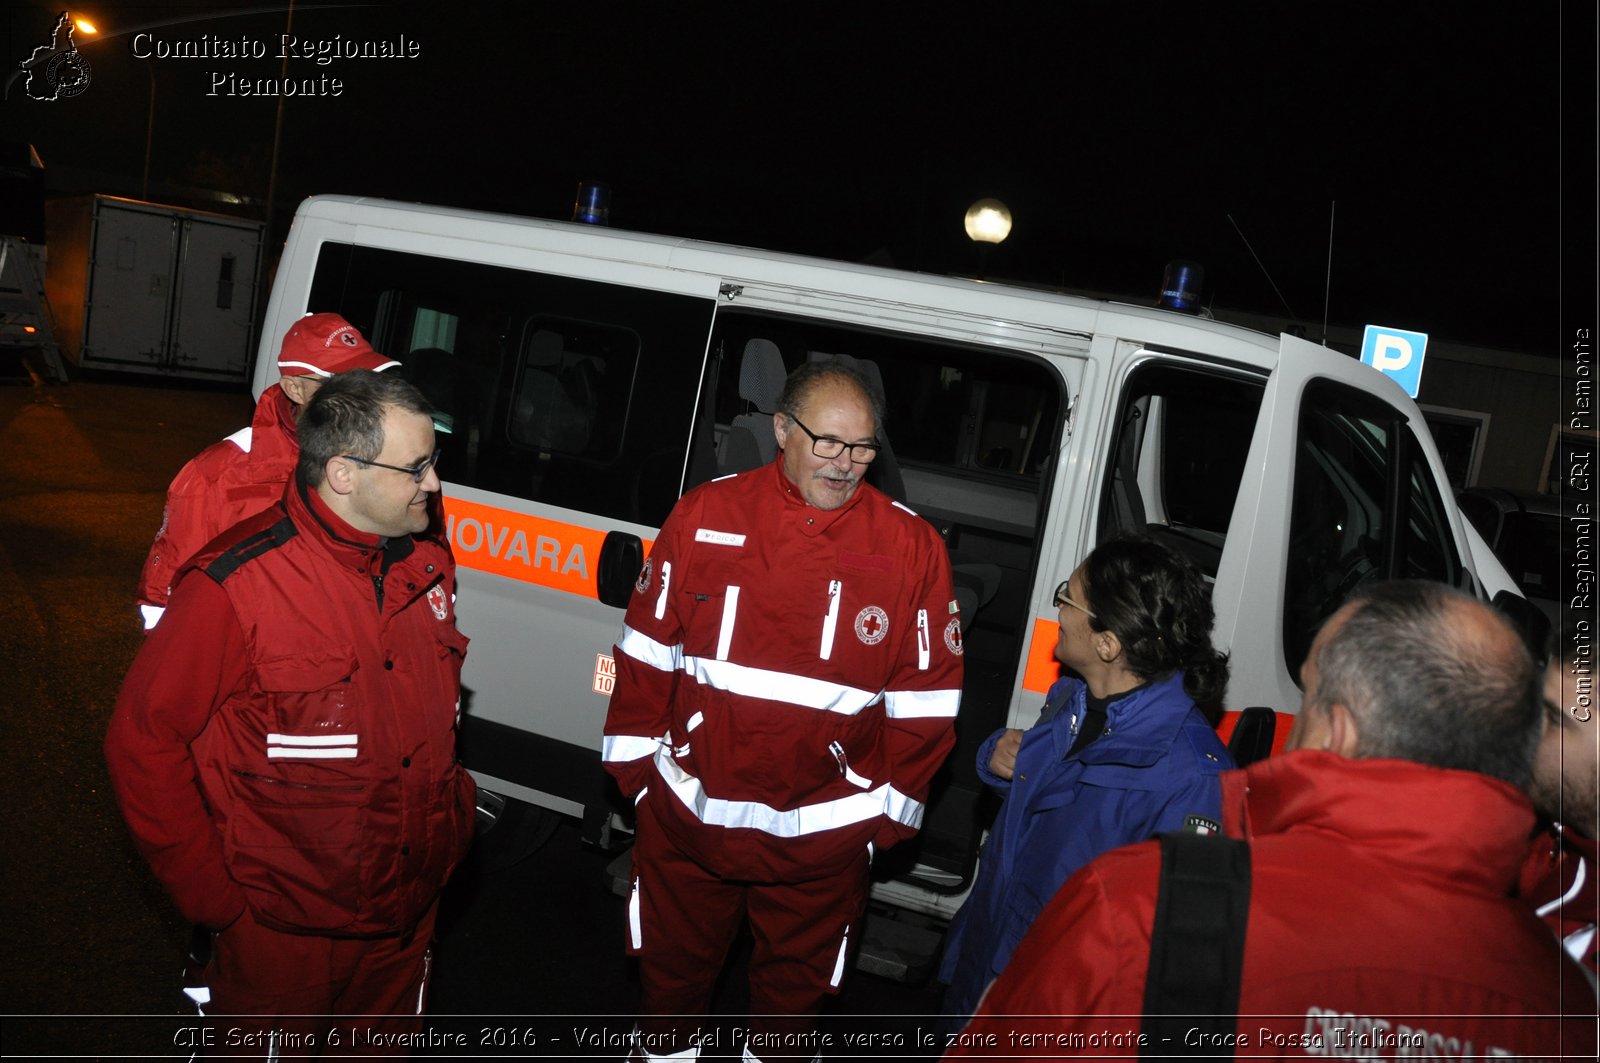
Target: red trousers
305,996
682,920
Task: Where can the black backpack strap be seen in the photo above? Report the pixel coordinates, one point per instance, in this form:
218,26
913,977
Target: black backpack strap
1197,946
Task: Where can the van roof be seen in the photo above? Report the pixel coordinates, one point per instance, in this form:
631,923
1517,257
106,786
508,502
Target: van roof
476,229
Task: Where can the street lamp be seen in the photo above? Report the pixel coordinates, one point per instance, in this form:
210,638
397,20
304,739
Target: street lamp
988,222
149,131
84,26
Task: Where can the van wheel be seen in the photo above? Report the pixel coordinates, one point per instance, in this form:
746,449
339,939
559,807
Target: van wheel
509,831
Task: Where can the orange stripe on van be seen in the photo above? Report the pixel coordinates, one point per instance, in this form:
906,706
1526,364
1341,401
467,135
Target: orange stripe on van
522,547
1042,670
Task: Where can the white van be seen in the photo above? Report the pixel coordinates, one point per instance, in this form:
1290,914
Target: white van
584,377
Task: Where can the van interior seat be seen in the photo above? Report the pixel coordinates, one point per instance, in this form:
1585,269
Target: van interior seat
555,404
884,472
751,443
976,584
1252,736
437,374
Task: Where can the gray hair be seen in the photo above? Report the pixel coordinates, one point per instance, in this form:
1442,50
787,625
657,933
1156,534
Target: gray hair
800,384
345,416
1425,687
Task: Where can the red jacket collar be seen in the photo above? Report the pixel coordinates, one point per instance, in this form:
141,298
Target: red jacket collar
272,428
814,521
314,517
1424,816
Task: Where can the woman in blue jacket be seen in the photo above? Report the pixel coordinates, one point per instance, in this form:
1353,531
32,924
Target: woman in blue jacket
1122,749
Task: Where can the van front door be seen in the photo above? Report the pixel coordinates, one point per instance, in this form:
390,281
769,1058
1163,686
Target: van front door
1343,486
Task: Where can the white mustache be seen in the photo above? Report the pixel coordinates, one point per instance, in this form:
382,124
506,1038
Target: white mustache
829,474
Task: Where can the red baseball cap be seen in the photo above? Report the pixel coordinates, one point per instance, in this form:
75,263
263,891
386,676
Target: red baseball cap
325,344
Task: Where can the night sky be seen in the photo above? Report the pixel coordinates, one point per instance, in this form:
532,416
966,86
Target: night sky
1120,135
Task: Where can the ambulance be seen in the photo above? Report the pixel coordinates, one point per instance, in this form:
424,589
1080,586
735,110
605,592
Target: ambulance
584,377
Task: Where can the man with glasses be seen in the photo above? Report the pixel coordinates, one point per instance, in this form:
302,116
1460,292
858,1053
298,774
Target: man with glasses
787,681
283,748
242,475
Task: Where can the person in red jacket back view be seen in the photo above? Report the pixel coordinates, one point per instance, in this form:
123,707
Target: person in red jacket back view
1384,852
787,683
242,475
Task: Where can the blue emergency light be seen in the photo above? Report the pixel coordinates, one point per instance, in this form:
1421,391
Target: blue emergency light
1180,286
593,205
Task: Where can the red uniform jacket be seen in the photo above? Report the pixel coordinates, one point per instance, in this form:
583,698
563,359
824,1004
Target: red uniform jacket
284,741
230,480
1382,924
1559,878
787,678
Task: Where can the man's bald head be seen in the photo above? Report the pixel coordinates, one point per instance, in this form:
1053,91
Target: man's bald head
1431,675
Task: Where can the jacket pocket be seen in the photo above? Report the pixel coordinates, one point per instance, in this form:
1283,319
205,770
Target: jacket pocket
312,705
451,641
296,849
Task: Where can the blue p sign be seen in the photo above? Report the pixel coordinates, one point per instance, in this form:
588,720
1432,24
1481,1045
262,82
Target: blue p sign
1395,353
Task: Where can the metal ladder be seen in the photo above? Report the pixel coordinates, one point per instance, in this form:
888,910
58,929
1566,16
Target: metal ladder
26,320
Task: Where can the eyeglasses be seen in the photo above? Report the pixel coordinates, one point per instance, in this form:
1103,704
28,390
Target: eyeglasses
829,447
1063,598
416,472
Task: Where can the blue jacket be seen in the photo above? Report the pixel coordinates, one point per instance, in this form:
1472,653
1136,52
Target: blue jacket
1156,763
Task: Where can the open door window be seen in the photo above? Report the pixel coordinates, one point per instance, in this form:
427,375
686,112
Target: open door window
1345,487
1178,455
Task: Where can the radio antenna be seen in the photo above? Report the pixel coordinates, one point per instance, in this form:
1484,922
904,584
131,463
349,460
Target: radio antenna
1264,272
1327,285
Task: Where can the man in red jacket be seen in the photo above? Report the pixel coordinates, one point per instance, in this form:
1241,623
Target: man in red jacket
787,683
1559,876
242,475
283,748
1384,848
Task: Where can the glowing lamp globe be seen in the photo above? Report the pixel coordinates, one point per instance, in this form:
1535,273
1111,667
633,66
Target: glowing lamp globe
988,221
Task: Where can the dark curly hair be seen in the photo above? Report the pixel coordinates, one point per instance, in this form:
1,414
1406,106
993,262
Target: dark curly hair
1158,604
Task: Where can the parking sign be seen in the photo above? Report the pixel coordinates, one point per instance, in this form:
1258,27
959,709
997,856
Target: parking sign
1395,353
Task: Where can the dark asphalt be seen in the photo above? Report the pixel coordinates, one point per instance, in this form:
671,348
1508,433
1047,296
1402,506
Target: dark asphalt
91,949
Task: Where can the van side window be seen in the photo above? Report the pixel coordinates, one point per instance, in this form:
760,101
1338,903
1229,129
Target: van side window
1365,508
540,384
1177,456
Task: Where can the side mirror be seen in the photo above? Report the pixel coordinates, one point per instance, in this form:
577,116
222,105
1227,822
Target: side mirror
1527,619
621,558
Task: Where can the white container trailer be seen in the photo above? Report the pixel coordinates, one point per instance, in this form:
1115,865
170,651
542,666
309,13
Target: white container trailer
147,288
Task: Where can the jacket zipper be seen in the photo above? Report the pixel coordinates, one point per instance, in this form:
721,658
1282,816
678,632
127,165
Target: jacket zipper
830,622
256,777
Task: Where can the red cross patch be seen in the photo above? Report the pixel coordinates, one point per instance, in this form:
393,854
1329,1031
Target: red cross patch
872,625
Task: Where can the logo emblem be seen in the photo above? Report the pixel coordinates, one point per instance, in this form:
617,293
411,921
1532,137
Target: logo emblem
438,602
642,584
56,71
872,625
347,336
952,636
1201,825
